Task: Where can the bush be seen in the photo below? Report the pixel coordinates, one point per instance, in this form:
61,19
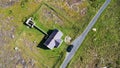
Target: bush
23,3
10,12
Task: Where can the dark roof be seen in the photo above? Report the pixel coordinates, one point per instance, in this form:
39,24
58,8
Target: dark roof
51,36
54,40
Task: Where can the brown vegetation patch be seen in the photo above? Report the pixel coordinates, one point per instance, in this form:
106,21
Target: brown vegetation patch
6,30
50,16
7,3
71,2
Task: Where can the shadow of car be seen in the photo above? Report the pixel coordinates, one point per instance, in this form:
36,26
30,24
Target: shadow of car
69,48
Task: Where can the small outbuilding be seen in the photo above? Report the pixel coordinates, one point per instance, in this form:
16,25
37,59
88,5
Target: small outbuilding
30,22
54,40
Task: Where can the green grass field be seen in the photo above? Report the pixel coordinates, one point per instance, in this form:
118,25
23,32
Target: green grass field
47,15
101,48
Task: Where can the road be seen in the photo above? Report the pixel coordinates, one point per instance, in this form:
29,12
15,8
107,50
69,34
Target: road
78,41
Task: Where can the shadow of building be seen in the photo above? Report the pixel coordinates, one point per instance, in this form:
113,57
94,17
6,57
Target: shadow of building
41,44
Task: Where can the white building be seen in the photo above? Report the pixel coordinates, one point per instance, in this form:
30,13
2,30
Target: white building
54,40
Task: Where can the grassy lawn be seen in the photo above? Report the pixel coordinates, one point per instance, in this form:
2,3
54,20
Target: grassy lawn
48,16
26,39
101,48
